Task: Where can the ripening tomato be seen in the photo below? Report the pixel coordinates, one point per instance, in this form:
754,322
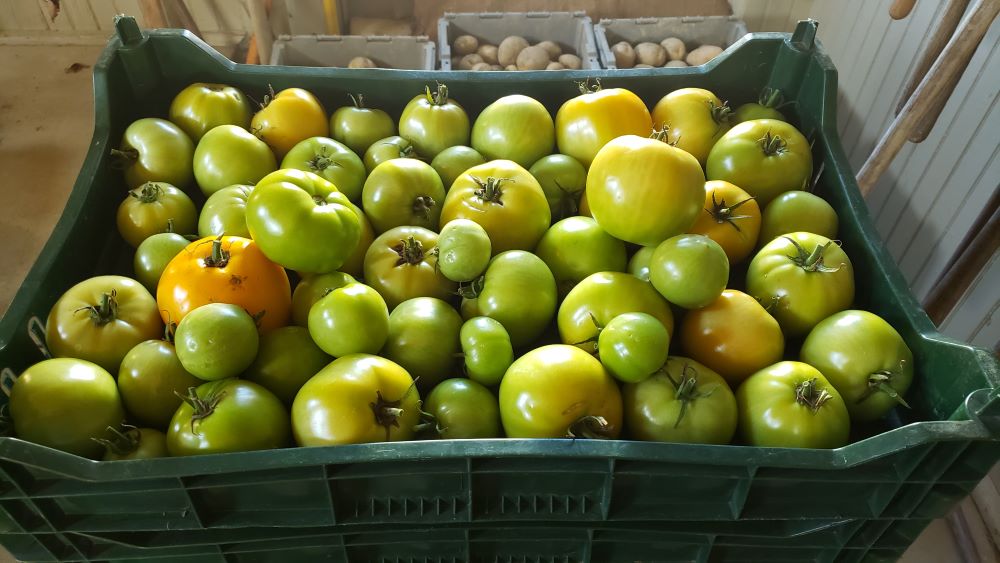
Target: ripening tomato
149,380
201,107
576,247
225,212
229,155
766,107
689,270
424,339
155,207
400,266
796,211
564,181
694,120
291,116
133,443
499,131
433,122
452,161
358,126
403,192
155,150
286,358
331,161
633,346
502,294
462,409
731,218
349,320
387,149
311,289
589,121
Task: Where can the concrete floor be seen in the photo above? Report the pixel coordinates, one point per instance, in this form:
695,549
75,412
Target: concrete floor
46,119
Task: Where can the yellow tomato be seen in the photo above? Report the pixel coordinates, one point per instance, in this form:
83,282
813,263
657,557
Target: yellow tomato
291,116
731,218
587,122
694,118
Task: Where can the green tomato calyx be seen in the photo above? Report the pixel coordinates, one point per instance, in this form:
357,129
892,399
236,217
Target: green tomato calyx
720,114
593,340
811,261
808,394
410,251
472,289
387,413
147,193
429,426
590,427
321,161
105,311
770,98
490,191
723,213
663,135
686,389
219,256
440,95
122,442
772,144
881,382
202,408
586,87
358,100
422,206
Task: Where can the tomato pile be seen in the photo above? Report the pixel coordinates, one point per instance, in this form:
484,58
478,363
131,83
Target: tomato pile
607,272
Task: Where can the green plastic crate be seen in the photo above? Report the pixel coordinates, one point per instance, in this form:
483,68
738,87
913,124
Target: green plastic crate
496,500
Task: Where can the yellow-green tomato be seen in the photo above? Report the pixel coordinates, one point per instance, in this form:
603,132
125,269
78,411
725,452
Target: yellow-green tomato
462,409
452,161
229,155
311,289
685,402
403,192
216,341
134,443
202,106
387,149
225,213
500,130
401,265
638,264
796,211
693,118
487,350
349,320
332,161
286,359
689,270
511,277
153,255
577,247
155,207
633,346
433,122
358,126
464,250
564,180
559,391
155,150
423,338
150,380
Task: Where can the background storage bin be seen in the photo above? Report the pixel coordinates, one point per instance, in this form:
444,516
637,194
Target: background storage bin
695,31
401,52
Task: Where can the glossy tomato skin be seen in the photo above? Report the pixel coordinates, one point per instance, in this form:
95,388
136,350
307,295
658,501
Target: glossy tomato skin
291,116
603,296
487,350
231,270
216,341
348,402
311,289
655,408
387,149
638,264
355,263
149,379
400,266
734,336
403,192
229,155
463,409
864,358
694,119
499,131
452,161
225,212
731,218
153,255
100,319
505,200
796,211
136,443
200,107
64,403
510,278
771,414
155,150
358,126
806,285
351,319
689,270
764,157
464,250
245,417
564,181
633,346
155,207
330,160
424,339
546,392
587,122
577,247
286,359
432,122
644,191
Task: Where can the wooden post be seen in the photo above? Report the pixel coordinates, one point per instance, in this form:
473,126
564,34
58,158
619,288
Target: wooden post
152,14
262,30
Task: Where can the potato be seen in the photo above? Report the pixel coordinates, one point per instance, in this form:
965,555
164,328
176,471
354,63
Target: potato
488,53
497,67
677,64
675,48
532,58
465,45
510,48
642,65
510,67
624,54
455,62
468,61
361,62
480,66
571,62
555,66
702,55
650,54
552,48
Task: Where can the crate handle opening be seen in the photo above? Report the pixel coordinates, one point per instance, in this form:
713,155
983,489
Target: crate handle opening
7,380
36,332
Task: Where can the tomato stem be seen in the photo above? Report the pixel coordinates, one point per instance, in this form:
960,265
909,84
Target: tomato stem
410,251
586,88
105,311
169,328
811,261
881,381
810,395
122,442
321,161
472,289
147,193
772,144
202,408
721,113
387,413
123,158
440,95
490,190
770,98
219,257
591,427
358,100
422,206
686,389
723,213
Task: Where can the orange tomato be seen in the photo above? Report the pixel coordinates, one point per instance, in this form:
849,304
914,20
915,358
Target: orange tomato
731,218
230,270
734,336
291,116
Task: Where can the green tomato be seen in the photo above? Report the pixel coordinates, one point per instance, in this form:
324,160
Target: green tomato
577,247
487,350
766,107
153,255
230,415
149,380
100,319
464,250
864,358
462,409
453,161
796,211
330,160
65,403
301,227
401,264
424,339
359,127
633,346
155,207
228,155
510,278
311,289
803,278
403,192
134,443
200,107
216,341
685,402
155,150
791,405
350,320
638,265
225,213
432,122
689,270
286,359
500,130
387,149
564,180
764,157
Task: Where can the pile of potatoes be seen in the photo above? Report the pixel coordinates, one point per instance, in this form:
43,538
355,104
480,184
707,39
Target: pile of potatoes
513,53
671,52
